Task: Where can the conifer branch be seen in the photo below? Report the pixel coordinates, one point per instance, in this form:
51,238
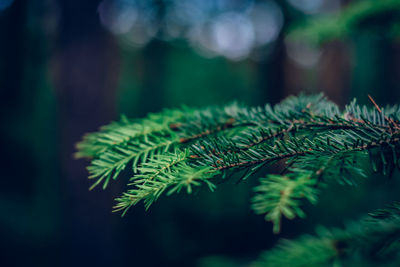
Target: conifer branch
279,196
160,173
372,241
183,148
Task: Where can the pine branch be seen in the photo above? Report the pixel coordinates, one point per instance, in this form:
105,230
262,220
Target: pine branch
279,196
372,241
112,162
160,173
118,134
119,144
317,141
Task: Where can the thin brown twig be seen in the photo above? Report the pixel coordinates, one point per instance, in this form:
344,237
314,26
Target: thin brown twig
391,121
304,152
374,103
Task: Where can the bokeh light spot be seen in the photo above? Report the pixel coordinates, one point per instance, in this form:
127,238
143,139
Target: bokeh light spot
233,35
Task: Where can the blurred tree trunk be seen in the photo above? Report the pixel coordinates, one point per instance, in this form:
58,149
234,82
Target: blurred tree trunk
395,74
153,66
376,68
30,204
12,29
333,72
272,76
275,79
85,76
154,57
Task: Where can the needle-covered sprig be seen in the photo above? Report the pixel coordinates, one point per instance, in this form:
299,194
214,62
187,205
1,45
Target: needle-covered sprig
371,241
316,142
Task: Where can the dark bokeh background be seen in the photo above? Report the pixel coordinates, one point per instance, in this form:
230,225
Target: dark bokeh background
68,67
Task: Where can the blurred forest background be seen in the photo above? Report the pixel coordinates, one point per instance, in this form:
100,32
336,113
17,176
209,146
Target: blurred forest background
68,66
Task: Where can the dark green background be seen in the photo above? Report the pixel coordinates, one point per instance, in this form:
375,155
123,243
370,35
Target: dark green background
55,85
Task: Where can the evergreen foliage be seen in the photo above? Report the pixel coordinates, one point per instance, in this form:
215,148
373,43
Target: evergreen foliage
382,17
279,195
317,142
372,241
